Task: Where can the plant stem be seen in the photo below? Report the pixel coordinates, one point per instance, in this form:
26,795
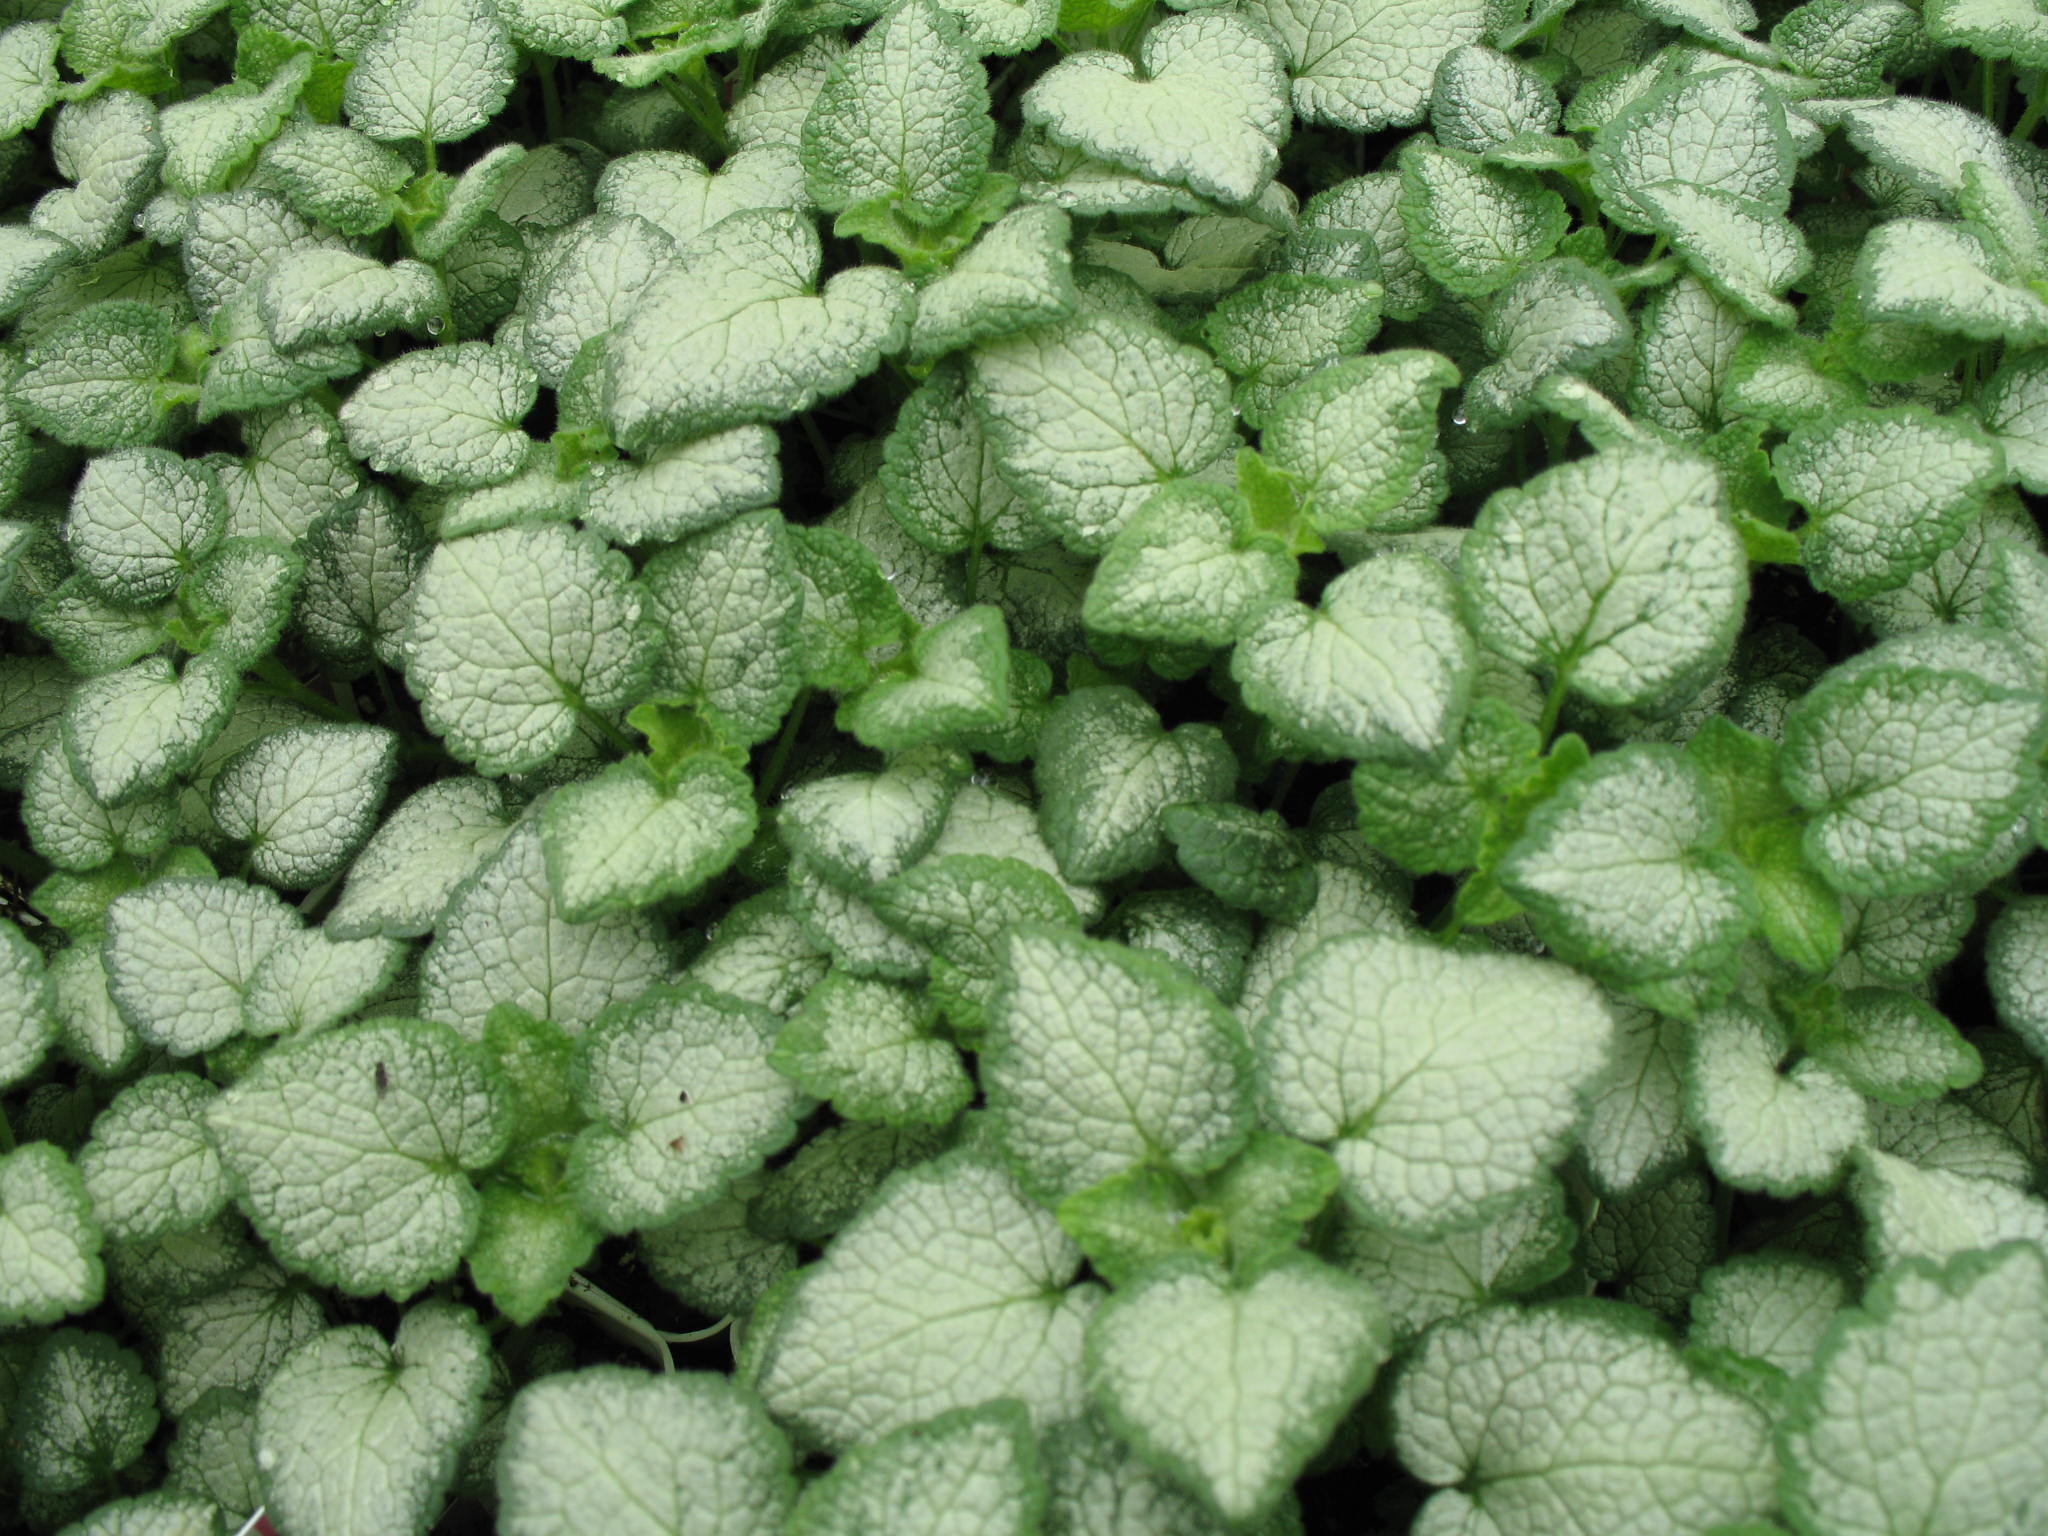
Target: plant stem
611,733
785,745
273,674
2030,119
6,1135
1553,705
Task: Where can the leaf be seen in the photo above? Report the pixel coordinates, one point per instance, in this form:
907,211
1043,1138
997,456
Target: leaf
1774,1307
1893,1047
435,70
2016,968
1921,273
1929,1213
1369,64
1428,1073
1969,1331
734,332
132,731
962,906
673,191
1559,318
181,953
1575,1418
110,149
1089,417
149,1167
338,177
1275,332
84,1412
688,1452
957,682
28,1020
426,847
1168,1080
503,939
1483,100
50,1245
1106,768
1620,572
684,488
1299,1344
304,799
1188,569
515,634
351,1152
969,1473
1016,275
869,1046
857,829
728,603
1624,875
98,378
1422,1281
631,836
1657,139
957,1285
74,831
449,416
1473,226
208,139
320,295
28,75
591,282
1098,1486
1912,769
902,119
1209,113
357,1434
311,980
682,1100
1357,436
1783,1131
1747,252
1381,668
1246,858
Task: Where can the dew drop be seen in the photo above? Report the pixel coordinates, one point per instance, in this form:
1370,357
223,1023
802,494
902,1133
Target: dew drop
436,325
1458,416
382,334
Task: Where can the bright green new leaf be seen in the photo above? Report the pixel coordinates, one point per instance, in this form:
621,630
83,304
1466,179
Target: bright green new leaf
1444,1082
355,1434
1233,1389
351,1151
517,634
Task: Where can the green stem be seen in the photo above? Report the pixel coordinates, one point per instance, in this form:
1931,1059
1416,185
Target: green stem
608,1308
551,99
6,1135
272,674
694,95
974,565
1448,924
617,738
2037,105
1553,704
387,693
785,745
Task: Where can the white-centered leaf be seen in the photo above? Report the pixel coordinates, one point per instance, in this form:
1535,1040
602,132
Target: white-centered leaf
870,1047
1929,1213
303,799
630,836
973,1472
352,1151
435,70
1774,1307
959,1289
50,1240
1575,1421
1234,1388
513,635
1444,1082
1762,1126
358,1435
181,953
150,1167
1622,572
1357,436
426,847
1369,64
141,520
444,415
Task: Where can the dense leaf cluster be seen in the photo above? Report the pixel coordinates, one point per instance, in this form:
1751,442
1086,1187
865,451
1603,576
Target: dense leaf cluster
1238,766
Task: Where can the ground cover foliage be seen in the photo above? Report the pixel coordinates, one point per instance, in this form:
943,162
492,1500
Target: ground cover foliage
997,767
